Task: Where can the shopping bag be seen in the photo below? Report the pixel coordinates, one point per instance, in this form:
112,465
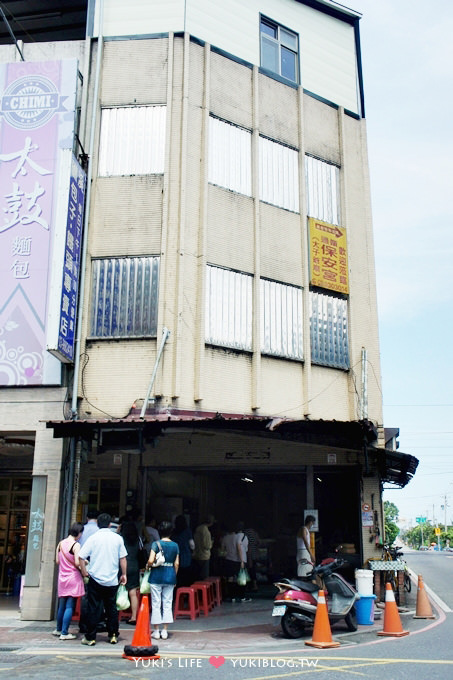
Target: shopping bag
242,577
122,598
145,587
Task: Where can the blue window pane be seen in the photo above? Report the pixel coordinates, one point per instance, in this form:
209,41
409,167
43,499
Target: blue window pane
124,297
288,39
279,50
288,64
269,55
268,29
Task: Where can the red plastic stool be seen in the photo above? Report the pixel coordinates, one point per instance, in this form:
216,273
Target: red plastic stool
216,581
186,596
204,594
211,593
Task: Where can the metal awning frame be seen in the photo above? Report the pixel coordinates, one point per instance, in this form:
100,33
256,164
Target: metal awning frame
134,431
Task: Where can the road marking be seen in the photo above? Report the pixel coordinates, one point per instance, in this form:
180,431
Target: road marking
348,667
435,598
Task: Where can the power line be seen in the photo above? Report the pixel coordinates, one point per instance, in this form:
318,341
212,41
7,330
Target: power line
10,31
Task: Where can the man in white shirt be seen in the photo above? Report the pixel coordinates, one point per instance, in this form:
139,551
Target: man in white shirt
107,555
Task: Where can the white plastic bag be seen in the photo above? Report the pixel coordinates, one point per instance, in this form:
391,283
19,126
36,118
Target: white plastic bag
122,598
145,587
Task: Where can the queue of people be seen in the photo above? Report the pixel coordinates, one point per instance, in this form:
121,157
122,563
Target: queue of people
99,556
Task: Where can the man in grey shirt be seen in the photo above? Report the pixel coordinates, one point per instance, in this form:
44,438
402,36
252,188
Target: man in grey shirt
90,527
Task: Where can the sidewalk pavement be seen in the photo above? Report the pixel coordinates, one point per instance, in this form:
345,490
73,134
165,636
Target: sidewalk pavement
230,629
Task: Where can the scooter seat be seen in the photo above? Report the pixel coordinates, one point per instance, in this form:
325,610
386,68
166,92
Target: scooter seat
306,586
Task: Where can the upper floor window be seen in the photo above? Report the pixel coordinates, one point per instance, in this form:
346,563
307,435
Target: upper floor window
124,296
323,190
329,330
281,319
229,308
278,174
230,156
279,50
132,141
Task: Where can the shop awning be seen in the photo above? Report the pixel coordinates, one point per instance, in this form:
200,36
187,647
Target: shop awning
396,467
343,434
133,432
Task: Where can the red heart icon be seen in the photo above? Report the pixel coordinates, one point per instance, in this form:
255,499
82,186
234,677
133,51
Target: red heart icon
216,661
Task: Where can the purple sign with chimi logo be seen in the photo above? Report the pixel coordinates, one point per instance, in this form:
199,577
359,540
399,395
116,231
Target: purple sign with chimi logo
37,114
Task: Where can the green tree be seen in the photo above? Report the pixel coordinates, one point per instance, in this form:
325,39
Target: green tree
391,514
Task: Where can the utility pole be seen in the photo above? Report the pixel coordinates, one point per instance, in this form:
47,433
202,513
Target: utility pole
444,508
364,390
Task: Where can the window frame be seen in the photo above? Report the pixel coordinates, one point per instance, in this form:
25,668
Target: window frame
280,186
120,306
322,184
281,304
329,330
229,156
278,42
228,308
141,155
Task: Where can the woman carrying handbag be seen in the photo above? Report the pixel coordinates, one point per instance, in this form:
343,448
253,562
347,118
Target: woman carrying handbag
162,580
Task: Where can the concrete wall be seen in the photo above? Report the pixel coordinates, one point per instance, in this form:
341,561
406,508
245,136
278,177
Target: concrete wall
327,52
191,223
25,411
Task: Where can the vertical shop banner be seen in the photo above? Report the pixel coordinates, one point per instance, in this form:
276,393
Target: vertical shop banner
37,117
328,256
64,283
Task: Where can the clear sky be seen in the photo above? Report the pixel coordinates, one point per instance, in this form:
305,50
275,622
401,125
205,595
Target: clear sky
407,54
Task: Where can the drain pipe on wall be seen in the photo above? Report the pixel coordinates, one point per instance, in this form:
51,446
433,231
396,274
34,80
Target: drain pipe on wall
75,380
87,212
165,336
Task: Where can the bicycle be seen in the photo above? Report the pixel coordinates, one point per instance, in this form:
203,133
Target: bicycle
393,554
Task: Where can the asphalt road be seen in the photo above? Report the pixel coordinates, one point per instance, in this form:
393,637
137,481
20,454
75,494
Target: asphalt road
425,653
436,569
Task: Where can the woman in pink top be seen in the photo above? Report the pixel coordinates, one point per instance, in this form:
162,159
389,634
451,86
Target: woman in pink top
70,581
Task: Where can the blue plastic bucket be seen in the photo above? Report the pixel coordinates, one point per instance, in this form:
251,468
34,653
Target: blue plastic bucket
365,610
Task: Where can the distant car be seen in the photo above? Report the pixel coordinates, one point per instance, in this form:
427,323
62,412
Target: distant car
423,547
448,549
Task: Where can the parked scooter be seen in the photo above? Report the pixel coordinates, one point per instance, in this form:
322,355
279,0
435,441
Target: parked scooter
297,599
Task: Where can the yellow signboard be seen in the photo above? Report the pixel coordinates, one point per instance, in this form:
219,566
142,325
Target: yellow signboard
437,531
328,256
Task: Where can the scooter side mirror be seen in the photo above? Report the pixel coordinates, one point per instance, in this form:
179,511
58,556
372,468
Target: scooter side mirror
340,562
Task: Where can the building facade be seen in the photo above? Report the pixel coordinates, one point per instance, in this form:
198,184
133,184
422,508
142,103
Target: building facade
226,352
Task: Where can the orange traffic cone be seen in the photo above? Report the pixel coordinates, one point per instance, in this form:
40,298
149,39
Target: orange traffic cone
423,607
322,637
392,621
141,646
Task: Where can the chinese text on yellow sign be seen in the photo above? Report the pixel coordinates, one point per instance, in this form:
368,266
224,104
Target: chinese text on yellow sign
328,256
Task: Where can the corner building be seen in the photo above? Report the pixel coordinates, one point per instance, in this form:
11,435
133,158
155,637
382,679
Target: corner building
229,355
